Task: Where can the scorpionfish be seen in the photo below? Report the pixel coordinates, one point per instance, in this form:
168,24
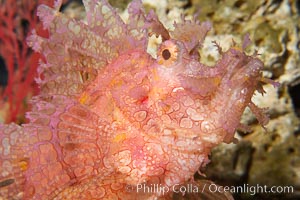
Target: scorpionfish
110,116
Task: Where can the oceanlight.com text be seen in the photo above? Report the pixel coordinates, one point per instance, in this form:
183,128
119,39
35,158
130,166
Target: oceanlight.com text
250,189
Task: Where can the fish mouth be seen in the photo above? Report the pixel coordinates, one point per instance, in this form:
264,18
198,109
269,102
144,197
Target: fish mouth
243,66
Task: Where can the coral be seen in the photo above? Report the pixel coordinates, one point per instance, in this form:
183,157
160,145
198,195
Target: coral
19,63
111,117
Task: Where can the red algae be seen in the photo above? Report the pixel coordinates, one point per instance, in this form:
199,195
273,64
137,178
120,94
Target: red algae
110,118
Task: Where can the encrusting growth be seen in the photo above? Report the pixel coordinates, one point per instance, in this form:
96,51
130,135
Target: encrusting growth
109,116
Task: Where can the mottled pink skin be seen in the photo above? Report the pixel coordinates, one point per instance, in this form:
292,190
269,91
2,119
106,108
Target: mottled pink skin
110,116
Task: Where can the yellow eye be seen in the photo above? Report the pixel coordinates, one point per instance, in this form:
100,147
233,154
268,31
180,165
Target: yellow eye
167,53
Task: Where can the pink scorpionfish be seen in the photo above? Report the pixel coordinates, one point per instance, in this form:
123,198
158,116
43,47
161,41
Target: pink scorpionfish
110,117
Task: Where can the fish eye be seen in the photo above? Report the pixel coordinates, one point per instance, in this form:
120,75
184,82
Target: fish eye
167,53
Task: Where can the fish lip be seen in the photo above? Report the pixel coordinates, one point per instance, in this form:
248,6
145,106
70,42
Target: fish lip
250,70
